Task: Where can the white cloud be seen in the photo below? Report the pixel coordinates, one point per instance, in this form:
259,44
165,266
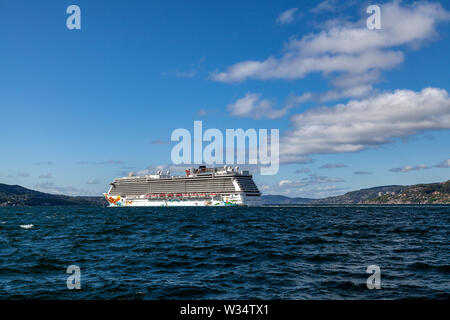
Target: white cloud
101,162
293,66
23,175
443,164
45,176
366,123
350,80
312,179
358,91
50,187
410,168
302,170
43,163
325,6
287,16
362,172
180,74
285,182
347,50
253,106
160,141
202,112
333,166
195,68
93,181
306,187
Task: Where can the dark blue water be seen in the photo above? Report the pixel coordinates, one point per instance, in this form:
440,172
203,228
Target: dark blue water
225,253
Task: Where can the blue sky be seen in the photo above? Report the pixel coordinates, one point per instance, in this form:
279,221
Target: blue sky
80,107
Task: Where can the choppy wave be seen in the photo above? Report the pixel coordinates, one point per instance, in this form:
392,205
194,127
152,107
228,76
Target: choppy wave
225,253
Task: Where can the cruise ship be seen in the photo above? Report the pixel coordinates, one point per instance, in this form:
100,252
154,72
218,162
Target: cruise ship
200,186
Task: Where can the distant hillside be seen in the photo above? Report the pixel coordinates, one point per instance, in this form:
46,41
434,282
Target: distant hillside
353,197
359,196
433,193
20,196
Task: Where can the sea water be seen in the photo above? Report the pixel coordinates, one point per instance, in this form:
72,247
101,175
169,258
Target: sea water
306,252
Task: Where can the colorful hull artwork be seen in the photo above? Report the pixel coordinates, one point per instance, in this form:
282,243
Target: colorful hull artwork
118,201
202,186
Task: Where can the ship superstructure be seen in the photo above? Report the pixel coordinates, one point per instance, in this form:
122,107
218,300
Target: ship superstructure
199,187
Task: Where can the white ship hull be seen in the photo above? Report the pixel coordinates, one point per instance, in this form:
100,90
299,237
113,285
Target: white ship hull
202,187
225,202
